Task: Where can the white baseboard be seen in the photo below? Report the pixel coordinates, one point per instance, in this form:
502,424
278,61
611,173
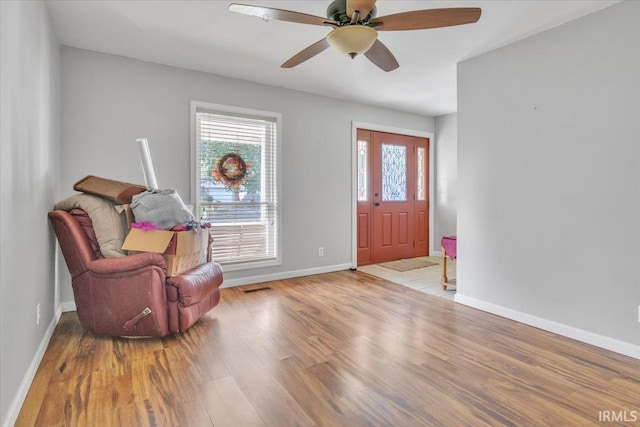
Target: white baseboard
229,283
68,306
25,384
601,341
435,253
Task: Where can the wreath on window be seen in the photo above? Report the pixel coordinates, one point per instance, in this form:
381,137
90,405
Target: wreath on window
230,170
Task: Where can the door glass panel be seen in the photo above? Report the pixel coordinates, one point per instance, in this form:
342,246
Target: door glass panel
394,173
363,171
421,192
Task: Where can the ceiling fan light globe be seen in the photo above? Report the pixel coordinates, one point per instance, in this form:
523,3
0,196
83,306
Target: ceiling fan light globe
352,39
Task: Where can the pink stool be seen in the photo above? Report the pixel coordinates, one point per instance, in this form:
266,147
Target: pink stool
449,249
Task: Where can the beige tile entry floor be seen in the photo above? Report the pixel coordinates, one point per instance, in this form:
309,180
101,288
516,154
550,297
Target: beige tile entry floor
427,279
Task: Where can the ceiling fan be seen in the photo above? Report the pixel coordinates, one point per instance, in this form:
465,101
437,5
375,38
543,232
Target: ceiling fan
355,27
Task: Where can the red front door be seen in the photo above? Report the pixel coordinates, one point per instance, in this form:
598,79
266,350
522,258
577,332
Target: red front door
393,220
392,197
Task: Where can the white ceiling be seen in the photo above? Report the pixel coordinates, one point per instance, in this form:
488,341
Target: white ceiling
205,36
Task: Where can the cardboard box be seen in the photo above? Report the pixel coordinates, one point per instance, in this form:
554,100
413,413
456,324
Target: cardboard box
182,250
128,214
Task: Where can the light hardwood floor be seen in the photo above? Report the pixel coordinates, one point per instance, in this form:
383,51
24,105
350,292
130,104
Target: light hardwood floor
337,349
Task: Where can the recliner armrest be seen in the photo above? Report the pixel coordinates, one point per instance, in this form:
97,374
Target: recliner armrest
127,263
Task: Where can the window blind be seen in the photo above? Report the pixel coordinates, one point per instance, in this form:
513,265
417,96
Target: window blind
243,218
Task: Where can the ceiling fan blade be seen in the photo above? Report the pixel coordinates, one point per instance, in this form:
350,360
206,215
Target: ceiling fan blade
362,6
380,55
307,53
267,13
430,18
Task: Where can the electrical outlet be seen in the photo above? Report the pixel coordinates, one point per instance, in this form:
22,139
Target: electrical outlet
38,314
320,251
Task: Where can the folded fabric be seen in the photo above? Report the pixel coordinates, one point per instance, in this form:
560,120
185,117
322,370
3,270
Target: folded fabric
110,226
146,226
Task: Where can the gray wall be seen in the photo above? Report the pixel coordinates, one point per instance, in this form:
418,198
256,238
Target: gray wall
549,171
446,174
109,101
29,134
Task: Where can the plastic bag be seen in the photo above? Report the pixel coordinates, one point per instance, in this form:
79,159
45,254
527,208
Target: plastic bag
164,208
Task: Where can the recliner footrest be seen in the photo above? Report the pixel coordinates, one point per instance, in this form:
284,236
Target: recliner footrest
194,285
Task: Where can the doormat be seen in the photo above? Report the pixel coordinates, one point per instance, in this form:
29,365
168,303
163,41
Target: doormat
407,264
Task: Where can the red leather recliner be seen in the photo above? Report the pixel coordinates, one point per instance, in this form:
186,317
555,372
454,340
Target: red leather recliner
131,296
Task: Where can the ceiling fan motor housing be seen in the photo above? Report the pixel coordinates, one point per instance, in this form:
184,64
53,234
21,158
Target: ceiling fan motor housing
337,11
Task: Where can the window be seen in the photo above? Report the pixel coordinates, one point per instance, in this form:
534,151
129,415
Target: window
363,170
421,190
236,184
394,173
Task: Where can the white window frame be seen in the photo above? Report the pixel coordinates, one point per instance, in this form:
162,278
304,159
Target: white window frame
195,172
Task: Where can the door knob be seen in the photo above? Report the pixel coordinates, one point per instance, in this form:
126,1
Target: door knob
376,204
